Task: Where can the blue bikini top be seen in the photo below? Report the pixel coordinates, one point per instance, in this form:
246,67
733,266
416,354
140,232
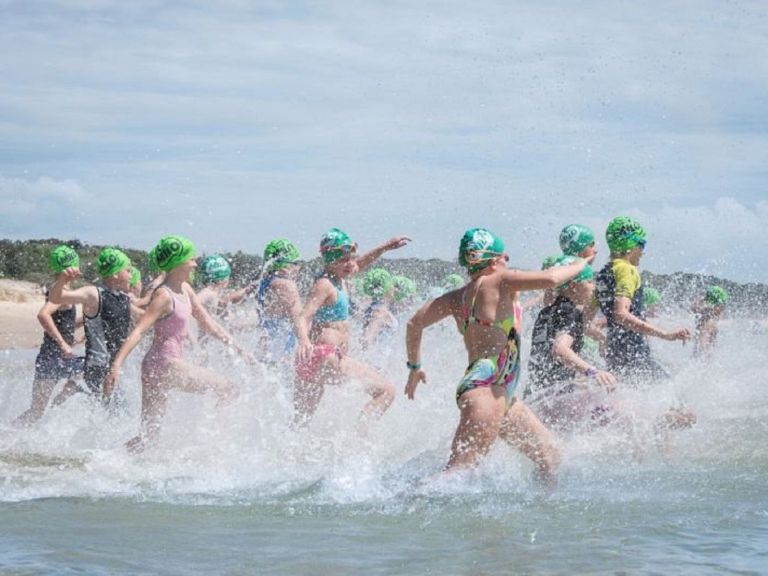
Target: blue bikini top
337,312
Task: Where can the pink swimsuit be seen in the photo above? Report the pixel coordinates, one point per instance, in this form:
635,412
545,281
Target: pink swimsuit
170,332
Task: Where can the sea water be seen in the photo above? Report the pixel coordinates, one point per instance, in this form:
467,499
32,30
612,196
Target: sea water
238,491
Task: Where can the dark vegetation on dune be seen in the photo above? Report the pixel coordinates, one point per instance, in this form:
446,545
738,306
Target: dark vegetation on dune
28,260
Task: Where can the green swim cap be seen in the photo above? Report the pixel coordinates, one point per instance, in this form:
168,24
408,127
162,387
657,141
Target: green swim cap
716,296
63,257
135,277
280,253
214,268
152,257
478,248
574,238
377,282
172,251
112,261
584,276
651,296
623,234
336,244
404,287
548,262
453,281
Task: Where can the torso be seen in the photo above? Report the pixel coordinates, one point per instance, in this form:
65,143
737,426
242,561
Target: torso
560,316
107,330
484,315
331,322
170,330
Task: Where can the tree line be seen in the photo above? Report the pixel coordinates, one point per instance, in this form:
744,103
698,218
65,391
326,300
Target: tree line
28,260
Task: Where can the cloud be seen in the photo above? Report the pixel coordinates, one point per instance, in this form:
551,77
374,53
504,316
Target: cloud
40,207
242,120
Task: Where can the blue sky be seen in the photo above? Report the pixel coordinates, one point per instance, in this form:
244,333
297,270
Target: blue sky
234,122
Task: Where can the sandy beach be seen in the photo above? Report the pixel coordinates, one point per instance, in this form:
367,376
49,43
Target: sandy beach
19,304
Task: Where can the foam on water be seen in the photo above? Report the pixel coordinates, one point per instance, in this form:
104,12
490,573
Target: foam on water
248,452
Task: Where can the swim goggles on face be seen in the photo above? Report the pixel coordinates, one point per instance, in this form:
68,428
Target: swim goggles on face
472,257
344,249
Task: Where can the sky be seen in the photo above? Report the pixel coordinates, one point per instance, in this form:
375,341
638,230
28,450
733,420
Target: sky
234,122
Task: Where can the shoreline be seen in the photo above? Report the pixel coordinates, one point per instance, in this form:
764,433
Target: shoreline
19,304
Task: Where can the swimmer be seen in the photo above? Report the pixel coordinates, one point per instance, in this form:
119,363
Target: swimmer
163,367
488,315
56,360
279,301
708,310
378,318
324,331
565,385
620,296
107,313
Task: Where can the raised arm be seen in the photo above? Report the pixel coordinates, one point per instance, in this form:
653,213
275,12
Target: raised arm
364,261
87,296
522,280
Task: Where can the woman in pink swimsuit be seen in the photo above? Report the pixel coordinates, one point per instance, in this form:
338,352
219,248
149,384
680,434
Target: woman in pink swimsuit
164,366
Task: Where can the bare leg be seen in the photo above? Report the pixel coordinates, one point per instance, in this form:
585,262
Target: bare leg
69,390
41,393
482,412
198,380
523,430
154,399
308,393
381,389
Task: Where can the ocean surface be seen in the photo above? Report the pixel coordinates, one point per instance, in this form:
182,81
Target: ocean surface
238,491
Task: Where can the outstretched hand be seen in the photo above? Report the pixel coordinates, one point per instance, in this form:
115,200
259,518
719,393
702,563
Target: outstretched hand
683,334
396,242
414,377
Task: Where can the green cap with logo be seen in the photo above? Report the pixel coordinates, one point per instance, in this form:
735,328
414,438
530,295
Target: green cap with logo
335,244
63,257
279,254
377,283
214,268
478,248
172,251
623,234
575,238
404,288
112,261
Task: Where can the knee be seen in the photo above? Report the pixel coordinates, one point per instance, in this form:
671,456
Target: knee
385,391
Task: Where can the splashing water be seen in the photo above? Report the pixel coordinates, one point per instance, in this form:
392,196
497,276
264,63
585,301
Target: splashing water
240,479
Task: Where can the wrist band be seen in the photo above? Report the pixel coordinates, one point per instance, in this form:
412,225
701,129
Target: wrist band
590,372
413,366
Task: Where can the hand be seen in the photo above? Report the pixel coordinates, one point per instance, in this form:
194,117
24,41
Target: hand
683,334
110,382
396,242
606,380
305,350
71,274
66,350
414,377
